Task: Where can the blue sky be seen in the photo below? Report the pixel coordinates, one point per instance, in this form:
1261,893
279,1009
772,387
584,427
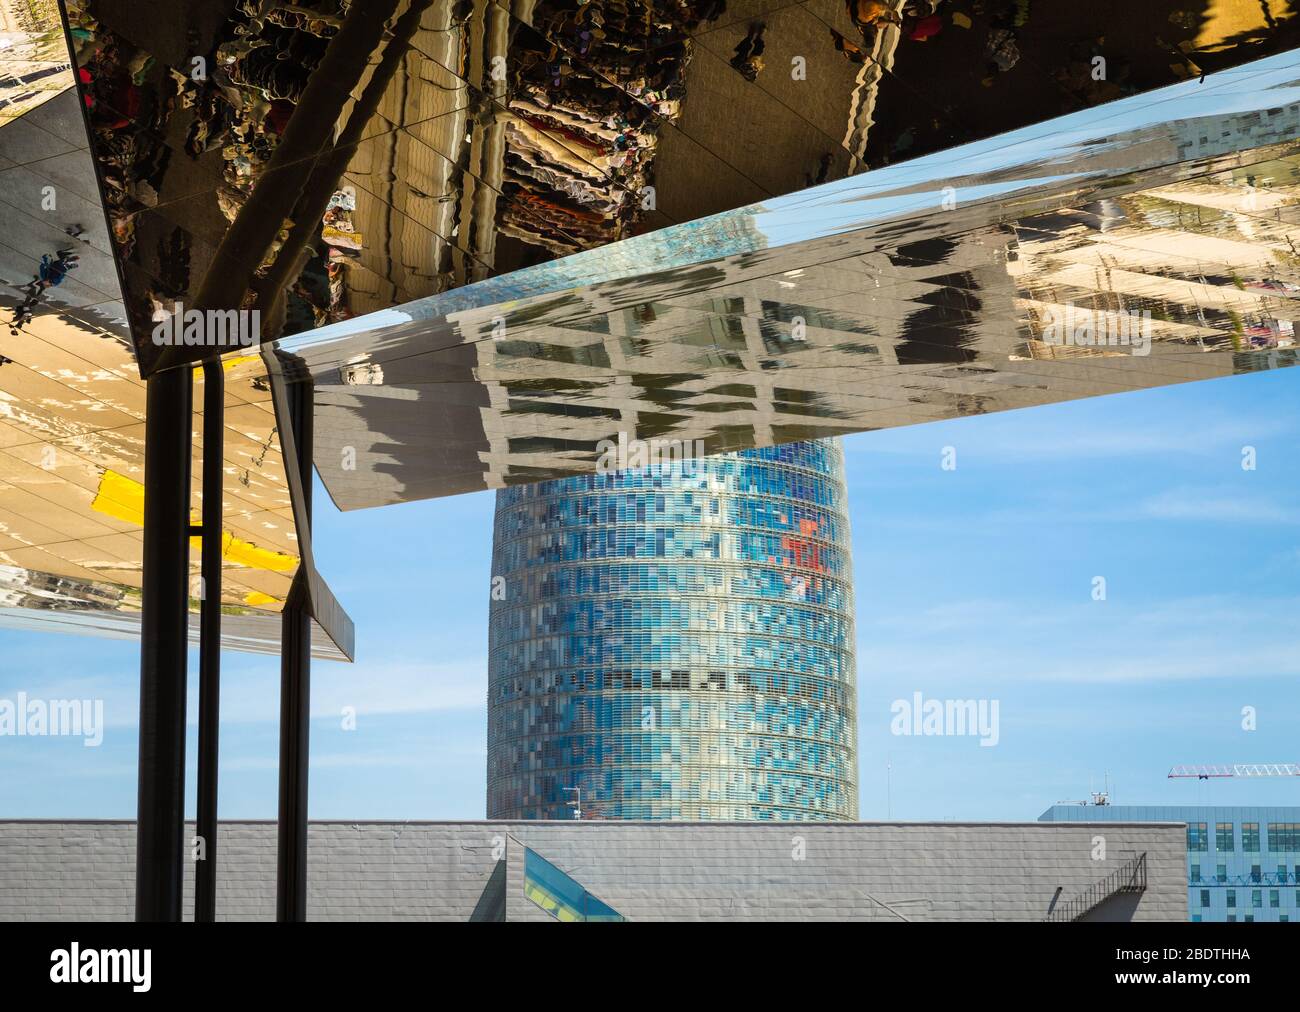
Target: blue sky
973,583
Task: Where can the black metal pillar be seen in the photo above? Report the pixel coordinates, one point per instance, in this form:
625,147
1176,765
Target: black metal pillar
205,870
295,693
164,640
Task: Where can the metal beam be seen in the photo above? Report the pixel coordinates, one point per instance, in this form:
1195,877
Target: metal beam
284,370
205,870
164,640
295,678
278,187
327,175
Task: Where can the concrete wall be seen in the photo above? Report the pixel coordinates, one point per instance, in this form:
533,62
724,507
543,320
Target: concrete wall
646,871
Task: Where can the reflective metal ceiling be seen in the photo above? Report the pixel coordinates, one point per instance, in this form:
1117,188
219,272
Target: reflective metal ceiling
33,56
490,232
72,403
322,160
916,292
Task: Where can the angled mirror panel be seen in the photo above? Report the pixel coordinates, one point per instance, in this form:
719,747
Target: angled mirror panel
344,158
72,402
1147,242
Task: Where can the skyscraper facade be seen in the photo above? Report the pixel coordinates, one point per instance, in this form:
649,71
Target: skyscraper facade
676,642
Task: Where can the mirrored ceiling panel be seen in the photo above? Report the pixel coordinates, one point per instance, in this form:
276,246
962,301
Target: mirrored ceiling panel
34,65
504,237
72,402
318,161
1148,241
72,498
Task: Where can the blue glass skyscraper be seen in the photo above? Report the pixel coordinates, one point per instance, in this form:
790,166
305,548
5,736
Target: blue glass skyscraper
676,642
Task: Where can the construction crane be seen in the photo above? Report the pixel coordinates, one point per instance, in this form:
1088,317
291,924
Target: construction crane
1235,770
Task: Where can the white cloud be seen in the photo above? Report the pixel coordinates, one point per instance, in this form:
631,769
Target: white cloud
1118,426
977,645
370,688
1215,506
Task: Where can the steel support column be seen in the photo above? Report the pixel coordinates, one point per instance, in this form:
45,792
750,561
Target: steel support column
164,640
295,691
205,870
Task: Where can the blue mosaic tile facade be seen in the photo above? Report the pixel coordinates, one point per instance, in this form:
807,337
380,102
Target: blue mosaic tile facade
676,642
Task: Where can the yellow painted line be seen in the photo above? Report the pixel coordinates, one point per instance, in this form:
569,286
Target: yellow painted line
122,498
245,553
227,364
234,363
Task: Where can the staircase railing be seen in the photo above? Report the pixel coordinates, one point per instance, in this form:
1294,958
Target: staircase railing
1130,877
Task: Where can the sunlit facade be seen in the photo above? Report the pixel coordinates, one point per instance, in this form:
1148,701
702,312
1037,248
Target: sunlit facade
1243,861
676,642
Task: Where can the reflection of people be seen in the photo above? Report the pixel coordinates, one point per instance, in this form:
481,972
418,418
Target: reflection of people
49,274
853,53
710,10
823,170
1001,50
749,52
23,312
53,270
867,14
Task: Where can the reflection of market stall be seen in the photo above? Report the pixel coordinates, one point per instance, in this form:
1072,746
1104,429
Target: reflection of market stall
467,143
582,134
462,140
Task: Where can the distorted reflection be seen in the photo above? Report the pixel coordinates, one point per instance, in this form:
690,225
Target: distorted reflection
72,403
1140,244
327,159
499,236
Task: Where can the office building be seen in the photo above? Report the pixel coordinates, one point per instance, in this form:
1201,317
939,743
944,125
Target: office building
676,642
1243,862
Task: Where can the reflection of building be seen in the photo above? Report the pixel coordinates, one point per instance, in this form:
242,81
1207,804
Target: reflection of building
1243,863
676,642
24,588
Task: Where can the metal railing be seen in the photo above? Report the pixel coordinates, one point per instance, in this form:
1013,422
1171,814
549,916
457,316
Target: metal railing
1130,877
